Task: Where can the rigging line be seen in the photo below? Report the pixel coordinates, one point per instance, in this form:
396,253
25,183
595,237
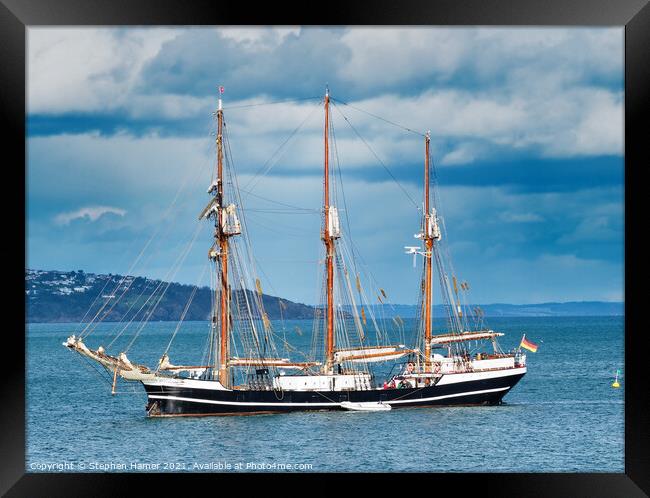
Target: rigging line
86,332
379,117
113,305
168,227
121,296
142,252
291,260
273,222
255,336
137,299
249,256
244,220
102,373
230,169
148,315
212,319
154,292
352,304
278,202
279,211
345,204
118,299
89,330
434,171
286,231
379,159
247,253
352,249
248,250
140,393
367,272
284,340
153,296
187,307
363,297
268,164
153,236
101,292
243,106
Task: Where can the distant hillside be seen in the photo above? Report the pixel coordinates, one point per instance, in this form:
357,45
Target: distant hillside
578,308
55,296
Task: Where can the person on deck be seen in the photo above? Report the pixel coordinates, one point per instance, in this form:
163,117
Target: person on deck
410,367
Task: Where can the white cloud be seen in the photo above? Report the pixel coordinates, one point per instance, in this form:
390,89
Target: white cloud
256,36
596,228
598,128
465,127
516,88
87,69
581,122
510,217
91,213
170,107
115,166
463,154
390,57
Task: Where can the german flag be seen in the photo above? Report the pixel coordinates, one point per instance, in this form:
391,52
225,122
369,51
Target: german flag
526,344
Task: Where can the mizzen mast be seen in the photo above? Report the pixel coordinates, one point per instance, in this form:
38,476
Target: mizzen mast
330,233
430,233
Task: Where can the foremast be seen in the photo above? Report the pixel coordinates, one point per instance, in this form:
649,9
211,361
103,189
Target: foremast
222,239
226,224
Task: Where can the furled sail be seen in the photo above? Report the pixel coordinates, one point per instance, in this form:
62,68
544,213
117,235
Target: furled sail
210,208
270,362
164,364
371,354
121,364
465,336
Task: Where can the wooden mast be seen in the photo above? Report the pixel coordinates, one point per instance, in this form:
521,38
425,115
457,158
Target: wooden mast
329,251
222,240
428,256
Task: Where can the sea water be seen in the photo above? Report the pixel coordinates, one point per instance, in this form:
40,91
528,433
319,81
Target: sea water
563,416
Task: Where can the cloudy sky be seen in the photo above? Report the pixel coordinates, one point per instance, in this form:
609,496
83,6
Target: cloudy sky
527,138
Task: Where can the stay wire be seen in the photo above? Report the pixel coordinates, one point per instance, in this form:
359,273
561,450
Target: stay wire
417,206
268,165
258,104
380,118
280,203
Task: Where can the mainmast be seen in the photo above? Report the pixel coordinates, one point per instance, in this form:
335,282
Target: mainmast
330,232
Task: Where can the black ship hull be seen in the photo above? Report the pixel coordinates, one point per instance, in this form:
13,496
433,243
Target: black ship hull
168,400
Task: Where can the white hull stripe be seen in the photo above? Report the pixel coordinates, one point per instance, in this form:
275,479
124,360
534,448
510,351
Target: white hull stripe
447,379
248,403
458,377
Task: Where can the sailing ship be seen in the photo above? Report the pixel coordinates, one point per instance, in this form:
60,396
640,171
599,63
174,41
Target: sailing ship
242,371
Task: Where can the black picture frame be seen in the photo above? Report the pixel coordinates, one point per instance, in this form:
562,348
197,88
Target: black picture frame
17,15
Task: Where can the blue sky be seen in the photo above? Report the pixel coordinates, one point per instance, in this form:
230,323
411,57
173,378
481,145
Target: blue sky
527,137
